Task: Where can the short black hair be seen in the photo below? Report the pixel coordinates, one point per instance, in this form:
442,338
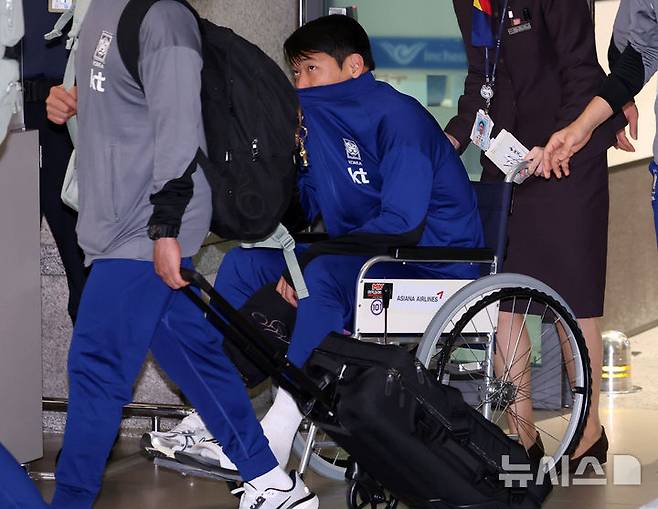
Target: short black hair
337,35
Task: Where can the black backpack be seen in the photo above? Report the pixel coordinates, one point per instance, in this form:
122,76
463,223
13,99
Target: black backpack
250,118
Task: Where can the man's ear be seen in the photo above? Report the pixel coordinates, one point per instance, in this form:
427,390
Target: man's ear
356,65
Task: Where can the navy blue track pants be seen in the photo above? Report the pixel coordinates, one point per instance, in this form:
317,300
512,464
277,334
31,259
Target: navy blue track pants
126,310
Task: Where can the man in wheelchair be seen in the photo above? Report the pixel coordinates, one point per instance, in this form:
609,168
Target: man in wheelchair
380,172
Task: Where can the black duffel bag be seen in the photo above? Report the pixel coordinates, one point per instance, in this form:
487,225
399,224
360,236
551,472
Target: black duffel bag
414,436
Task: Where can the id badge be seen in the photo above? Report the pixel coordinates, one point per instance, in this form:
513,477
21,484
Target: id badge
59,5
481,132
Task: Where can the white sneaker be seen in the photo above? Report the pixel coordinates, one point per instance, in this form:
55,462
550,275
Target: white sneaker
297,497
189,432
207,453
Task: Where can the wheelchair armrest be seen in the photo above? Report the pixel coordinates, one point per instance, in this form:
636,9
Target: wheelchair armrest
444,254
309,237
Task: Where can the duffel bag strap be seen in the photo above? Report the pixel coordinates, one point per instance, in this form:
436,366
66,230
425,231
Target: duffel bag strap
457,422
459,419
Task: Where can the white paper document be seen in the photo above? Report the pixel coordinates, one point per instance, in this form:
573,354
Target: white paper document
507,153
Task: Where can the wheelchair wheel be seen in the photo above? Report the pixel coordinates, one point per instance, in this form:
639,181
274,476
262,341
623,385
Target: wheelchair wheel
514,349
361,495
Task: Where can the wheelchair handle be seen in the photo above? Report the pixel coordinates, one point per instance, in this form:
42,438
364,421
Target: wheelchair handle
517,170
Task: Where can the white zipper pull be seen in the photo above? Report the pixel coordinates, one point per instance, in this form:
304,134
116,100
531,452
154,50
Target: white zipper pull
419,372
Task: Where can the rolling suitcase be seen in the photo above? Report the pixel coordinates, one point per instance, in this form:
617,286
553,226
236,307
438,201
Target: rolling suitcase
409,436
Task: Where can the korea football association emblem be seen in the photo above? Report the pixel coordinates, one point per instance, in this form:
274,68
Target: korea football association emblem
352,150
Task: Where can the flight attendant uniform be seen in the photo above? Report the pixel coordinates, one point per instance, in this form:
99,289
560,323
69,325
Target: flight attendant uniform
547,71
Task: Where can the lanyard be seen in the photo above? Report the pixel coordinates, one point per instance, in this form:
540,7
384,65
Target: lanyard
487,91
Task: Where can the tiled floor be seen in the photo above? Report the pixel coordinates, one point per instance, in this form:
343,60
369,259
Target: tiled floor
631,422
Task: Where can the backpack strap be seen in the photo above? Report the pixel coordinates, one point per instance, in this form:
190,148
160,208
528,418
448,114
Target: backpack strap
128,30
130,24
77,13
281,239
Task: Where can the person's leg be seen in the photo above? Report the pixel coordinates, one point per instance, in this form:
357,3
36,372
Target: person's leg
190,351
329,308
331,282
56,150
121,306
241,274
592,432
244,271
512,363
17,491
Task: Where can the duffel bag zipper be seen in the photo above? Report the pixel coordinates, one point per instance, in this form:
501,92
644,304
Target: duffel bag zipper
420,374
392,375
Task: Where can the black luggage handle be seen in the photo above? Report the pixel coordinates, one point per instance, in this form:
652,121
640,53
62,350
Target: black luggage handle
243,334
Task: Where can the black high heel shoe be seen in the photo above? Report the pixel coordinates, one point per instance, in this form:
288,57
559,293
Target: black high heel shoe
598,451
537,451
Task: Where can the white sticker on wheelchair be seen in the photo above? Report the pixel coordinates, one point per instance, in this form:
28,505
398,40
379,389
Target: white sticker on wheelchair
413,304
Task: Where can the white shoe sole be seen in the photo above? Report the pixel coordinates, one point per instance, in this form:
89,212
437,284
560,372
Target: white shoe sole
156,450
166,452
310,502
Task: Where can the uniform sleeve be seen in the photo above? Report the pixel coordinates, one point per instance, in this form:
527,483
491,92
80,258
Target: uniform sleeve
307,199
303,208
636,32
170,69
471,101
407,175
569,25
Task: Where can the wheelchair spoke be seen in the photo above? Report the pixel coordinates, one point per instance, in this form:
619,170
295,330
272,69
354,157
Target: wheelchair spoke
527,423
519,358
491,323
518,339
520,384
509,339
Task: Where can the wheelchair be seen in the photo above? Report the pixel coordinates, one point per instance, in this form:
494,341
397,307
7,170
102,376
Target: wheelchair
509,342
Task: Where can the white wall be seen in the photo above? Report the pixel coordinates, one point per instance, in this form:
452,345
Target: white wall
605,16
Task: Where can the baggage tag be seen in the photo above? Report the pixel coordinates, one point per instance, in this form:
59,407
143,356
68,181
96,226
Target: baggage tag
59,5
481,132
507,153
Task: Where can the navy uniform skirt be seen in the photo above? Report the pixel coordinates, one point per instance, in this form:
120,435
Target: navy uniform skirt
558,233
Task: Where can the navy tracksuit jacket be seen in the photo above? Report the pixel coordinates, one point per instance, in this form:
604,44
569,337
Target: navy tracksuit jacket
379,164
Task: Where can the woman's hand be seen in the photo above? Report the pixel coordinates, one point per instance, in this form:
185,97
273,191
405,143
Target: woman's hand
535,157
561,147
565,143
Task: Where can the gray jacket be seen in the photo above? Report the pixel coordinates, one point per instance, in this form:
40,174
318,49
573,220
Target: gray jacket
131,143
636,25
